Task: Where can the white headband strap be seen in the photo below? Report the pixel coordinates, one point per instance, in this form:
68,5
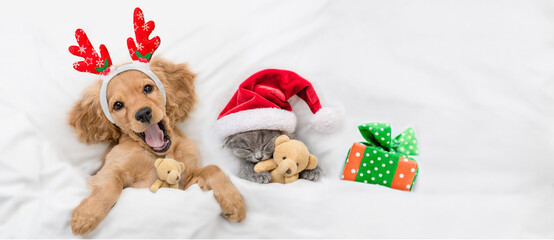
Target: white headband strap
136,65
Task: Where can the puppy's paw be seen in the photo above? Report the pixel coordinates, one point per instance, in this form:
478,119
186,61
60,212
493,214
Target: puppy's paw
312,175
232,207
83,222
263,177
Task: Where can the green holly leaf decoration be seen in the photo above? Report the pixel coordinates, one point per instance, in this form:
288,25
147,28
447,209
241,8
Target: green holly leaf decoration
147,56
101,69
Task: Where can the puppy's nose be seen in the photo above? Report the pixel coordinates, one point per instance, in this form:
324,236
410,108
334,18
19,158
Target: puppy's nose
144,115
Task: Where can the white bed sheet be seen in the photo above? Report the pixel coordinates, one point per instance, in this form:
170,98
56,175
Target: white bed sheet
474,78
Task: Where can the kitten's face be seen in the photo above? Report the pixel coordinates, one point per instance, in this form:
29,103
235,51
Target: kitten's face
253,146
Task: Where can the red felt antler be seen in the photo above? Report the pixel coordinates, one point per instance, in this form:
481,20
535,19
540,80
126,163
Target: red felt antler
146,47
92,63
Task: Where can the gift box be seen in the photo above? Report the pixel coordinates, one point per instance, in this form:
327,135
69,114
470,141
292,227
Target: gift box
383,160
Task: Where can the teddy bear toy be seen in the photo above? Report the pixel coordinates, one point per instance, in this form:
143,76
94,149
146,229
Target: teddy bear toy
289,159
169,173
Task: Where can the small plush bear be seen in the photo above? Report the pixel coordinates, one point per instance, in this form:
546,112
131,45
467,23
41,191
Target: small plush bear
169,173
289,159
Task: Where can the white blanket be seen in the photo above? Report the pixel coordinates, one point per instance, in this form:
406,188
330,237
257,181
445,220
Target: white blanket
475,79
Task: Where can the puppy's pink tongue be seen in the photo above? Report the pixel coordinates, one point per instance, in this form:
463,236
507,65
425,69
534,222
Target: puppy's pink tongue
154,136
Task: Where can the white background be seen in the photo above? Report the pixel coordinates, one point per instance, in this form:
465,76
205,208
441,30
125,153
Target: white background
475,79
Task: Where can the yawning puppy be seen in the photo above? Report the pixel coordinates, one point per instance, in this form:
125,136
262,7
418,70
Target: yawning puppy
144,129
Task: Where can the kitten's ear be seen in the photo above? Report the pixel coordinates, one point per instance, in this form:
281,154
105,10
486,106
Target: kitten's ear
234,140
281,139
227,141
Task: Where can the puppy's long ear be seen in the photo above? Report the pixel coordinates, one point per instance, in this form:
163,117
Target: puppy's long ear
89,121
178,82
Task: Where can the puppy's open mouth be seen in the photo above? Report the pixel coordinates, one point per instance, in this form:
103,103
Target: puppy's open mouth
156,137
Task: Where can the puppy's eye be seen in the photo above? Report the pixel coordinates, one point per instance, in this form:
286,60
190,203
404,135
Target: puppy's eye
284,158
148,89
117,105
168,172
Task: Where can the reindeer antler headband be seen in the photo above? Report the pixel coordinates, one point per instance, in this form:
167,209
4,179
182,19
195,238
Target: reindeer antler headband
102,65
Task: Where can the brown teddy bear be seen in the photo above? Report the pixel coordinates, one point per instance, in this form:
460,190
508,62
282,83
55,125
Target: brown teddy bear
169,173
289,159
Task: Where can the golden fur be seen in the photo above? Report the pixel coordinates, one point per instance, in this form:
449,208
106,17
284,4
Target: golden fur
129,161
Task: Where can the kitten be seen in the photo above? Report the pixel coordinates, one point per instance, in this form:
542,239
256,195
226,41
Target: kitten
254,146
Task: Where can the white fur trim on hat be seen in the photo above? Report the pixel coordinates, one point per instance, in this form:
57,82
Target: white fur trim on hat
256,119
325,120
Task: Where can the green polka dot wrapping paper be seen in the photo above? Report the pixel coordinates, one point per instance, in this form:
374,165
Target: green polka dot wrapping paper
383,160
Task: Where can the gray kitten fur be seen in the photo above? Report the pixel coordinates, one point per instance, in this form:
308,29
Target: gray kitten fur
254,146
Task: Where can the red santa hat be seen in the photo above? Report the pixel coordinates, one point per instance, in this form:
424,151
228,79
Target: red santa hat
261,102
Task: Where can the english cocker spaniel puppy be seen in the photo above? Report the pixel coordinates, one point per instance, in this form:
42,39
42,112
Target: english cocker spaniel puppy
143,130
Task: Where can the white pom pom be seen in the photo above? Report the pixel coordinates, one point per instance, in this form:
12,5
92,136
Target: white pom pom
325,120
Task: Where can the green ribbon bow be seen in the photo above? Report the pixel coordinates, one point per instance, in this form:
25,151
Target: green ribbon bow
379,135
